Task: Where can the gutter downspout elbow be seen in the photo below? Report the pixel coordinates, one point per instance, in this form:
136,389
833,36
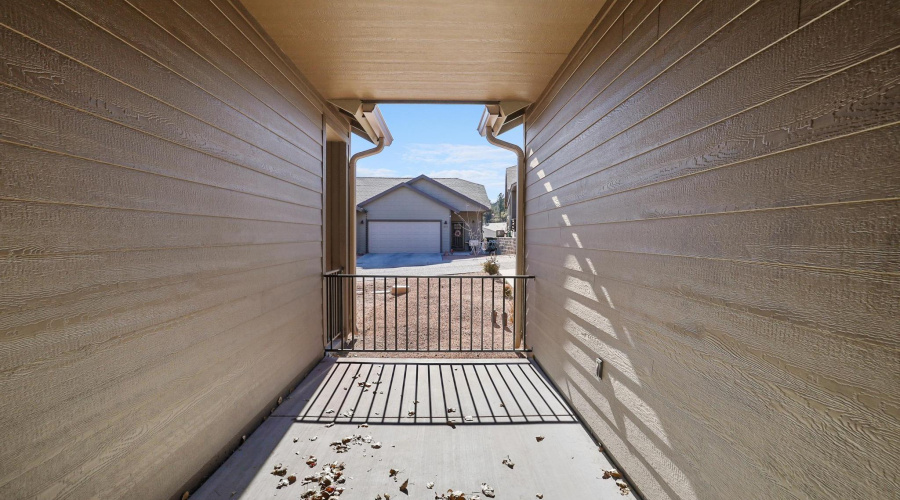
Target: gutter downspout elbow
520,227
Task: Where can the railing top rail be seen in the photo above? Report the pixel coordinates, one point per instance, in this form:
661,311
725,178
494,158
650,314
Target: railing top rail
334,272
428,276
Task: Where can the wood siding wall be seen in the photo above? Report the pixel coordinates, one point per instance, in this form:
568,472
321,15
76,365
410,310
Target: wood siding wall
714,209
160,234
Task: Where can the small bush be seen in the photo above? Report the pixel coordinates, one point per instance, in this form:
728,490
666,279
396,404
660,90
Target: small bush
491,266
508,291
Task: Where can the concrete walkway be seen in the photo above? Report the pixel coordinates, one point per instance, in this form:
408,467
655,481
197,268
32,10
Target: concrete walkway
447,266
500,409
397,260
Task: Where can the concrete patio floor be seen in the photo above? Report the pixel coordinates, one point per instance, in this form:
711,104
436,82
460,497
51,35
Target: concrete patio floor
501,408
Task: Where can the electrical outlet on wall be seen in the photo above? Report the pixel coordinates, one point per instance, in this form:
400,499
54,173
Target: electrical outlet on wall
599,371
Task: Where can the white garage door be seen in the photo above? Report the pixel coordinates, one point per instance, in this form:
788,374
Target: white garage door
404,237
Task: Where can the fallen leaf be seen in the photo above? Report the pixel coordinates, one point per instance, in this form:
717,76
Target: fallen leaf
540,495
186,495
539,438
429,485
404,485
296,439
282,483
612,473
330,425
509,463
451,410
487,490
451,424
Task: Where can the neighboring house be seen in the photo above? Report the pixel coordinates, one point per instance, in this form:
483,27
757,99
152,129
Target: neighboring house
495,230
418,215
511,186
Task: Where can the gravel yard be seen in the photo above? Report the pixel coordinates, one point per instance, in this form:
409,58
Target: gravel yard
436,314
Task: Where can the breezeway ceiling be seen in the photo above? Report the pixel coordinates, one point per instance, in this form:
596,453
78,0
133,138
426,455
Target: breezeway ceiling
416,50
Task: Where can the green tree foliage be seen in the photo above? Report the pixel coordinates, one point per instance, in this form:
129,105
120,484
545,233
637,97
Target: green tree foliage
498,210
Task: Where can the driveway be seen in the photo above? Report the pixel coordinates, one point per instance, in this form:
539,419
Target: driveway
436,265
380,261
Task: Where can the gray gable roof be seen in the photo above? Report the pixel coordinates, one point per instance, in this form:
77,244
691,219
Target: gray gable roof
369,187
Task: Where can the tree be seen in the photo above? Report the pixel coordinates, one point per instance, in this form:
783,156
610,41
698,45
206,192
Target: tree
498,208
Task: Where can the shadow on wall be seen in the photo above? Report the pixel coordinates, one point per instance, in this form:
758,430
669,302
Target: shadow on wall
612,406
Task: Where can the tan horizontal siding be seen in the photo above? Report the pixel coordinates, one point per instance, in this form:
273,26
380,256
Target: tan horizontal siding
713,199
160,241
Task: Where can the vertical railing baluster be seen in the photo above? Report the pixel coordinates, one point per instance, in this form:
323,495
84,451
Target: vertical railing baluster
525,305
460,312
396,305
493,310
418,314
449,314
482,313
407,313
384,319
471,312
503,317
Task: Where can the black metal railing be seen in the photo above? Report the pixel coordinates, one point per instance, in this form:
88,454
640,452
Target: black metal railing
334,307
424,313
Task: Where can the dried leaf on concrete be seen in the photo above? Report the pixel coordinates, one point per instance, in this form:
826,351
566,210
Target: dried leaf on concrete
612,473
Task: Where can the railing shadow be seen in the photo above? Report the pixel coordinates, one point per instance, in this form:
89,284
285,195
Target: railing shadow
403,392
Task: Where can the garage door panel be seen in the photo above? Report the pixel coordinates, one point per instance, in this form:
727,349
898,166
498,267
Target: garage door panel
404,237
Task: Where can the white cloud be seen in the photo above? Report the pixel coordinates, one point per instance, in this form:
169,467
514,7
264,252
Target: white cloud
484,164
375,172
458,154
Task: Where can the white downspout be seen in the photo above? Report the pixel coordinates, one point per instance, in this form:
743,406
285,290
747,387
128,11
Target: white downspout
350,325
520,226
351,199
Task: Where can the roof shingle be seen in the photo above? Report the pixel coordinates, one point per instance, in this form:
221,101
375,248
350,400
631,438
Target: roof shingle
368,187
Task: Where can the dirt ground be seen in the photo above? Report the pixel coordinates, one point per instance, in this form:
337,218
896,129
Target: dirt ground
450,313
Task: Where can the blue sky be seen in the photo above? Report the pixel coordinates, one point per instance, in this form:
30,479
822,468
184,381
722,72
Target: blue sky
439,140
